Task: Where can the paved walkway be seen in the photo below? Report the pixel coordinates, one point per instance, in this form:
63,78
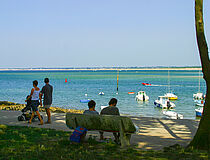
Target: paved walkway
154,133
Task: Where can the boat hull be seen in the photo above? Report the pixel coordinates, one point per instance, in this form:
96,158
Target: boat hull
199,112
157,105
163,106
146,84
173,98
140,98
198,96
84,100
131,92
173,115
101,93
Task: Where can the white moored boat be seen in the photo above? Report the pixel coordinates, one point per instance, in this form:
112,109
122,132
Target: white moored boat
198,95
141,96
199,102
199,112
164,103
173,115
170,95
101,93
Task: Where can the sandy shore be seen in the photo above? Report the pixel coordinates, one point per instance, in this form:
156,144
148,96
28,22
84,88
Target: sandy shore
102,69
153,133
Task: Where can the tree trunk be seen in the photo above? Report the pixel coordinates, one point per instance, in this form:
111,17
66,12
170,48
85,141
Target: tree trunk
201,139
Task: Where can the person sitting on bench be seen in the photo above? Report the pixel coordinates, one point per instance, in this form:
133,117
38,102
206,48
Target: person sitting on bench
91,105
111,110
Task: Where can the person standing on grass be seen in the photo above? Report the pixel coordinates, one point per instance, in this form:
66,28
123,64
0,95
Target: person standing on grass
47,90
35,98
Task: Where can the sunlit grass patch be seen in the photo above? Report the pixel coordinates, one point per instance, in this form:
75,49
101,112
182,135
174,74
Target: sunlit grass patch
3,126
40,143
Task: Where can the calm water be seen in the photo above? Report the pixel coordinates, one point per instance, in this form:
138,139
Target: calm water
15,86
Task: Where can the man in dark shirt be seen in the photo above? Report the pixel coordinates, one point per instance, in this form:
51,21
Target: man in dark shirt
47,90
111,110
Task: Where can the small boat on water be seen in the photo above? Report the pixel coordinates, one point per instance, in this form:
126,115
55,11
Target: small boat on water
172,114
131,92
84,100
141,96
199,112
198,96
101,93
200,105
171,96
164,103
199,102
146,84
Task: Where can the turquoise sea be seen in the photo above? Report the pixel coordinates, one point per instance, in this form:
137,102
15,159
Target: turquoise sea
16,85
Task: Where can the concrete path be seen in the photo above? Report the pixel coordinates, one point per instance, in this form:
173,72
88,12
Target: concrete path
154,133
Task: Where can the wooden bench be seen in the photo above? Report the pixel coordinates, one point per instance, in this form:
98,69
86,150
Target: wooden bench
107,123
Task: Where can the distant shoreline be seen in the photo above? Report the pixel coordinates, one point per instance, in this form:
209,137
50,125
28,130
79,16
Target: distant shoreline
104,69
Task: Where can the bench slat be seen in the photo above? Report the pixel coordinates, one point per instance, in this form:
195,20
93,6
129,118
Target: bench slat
100,122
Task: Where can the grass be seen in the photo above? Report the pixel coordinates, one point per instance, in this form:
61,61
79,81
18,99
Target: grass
38,143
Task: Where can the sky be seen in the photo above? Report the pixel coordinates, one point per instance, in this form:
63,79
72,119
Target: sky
93,33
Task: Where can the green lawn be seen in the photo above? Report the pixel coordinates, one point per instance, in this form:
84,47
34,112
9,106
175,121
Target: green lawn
36,143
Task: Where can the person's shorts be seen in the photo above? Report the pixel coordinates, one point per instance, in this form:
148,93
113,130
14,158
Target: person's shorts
34,105
47,106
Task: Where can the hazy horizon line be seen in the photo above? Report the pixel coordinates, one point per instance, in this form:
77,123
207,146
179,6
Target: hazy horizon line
105,67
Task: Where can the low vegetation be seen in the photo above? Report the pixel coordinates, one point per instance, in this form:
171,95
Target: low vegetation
10,106
38,143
